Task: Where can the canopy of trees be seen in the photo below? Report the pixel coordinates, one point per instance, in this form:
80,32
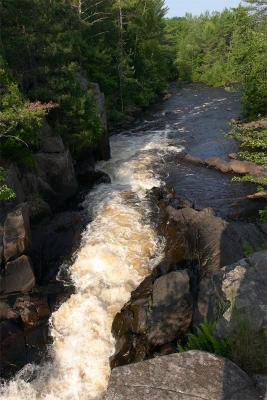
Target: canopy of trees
45,45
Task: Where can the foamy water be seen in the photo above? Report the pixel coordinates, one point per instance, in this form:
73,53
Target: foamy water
118,249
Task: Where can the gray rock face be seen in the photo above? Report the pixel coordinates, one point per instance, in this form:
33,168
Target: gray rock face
38,209
16,238
171,308
49,142
57,170
157,314
261,385
102,151
243,287
192,375
13,180
209,240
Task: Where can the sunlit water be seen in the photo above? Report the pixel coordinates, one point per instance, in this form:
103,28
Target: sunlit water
118,250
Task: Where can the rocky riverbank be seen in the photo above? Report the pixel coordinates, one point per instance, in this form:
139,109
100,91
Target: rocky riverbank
40,230
210,226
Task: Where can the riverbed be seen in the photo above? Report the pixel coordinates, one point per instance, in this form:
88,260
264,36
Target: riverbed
121,245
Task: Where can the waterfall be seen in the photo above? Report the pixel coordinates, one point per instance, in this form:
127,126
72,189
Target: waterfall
118,250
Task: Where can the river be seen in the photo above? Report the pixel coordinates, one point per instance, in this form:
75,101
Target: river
121,246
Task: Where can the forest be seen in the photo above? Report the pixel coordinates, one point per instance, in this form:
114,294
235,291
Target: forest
131,49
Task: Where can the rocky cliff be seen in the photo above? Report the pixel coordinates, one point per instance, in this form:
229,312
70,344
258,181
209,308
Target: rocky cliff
39,229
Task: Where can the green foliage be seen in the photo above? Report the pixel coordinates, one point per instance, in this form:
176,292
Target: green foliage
50,47
205,340
248,347
20,120
249,249
255,157
248,58
6,193
263,214
226,49
243,345
251,179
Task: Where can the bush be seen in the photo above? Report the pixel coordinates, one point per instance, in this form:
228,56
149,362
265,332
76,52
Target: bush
205,340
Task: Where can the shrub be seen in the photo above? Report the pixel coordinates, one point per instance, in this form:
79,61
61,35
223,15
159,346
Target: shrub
243,346
205,340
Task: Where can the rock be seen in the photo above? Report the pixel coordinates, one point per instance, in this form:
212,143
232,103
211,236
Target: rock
38,209
12,348
25,342
157,314
192,375
261,385
87,175
54,241
16,236
233,166
206,239
102,151
194,160
242,287
236,166
258,195
233,156
6,312
171,308
82,80
246,167
18,277
13,180
49,142
1,245
32,310
218,163
56,170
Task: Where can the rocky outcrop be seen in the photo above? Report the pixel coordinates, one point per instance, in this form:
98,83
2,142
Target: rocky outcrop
16,238
171,308
23,330
18,276
242,289
192,375
176,296
159,311
56,179
209,241
233,166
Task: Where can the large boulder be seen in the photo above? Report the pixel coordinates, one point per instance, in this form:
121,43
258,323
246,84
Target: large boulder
16,237
18,276
171,308
160,310
56,170
242,289
23,331
192,375
207,240
12,347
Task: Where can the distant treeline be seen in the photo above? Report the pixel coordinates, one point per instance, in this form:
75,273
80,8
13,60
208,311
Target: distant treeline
129,47
225,49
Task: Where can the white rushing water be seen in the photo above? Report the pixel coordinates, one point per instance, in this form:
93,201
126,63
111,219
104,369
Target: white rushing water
119,248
